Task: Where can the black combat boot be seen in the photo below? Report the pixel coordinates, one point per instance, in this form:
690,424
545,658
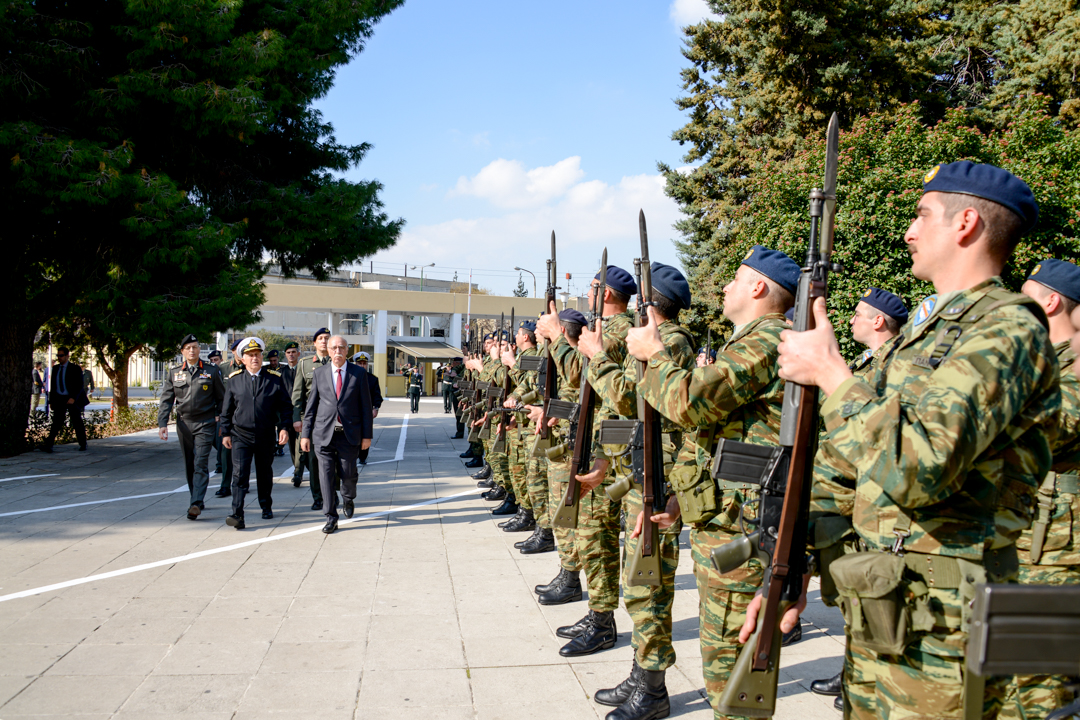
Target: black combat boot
541,543
496,493
569,590
467,454
838,703
598,634
557,580
485,483
521,543
483,474
829,686
475,462
508,507
525,522
648,700
517,516
616,696
790,638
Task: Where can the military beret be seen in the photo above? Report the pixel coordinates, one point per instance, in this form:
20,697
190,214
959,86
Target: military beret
189,338
252,344
886,302
774,265
619,280
272,354
213,354
987,182
320,331
292,345
236,343
457,359
790,314
527,325
712,352
489,336
670,283
570,315
1060,276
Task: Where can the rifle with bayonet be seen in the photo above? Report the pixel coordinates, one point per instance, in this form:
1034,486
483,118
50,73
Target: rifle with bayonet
581,423
492,397
546,376
502,413
784,474
645,444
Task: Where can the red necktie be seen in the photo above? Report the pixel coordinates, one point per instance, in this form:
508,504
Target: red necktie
338,372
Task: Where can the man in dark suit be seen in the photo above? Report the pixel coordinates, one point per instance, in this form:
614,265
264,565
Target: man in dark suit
67,398
256,404
337,424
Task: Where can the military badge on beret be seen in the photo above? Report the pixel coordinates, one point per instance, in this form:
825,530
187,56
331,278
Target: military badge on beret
930,175
1035,271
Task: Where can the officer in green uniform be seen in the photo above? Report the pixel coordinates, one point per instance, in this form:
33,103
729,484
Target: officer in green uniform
288,376
643,695
305,370
948,439
739,397
195,389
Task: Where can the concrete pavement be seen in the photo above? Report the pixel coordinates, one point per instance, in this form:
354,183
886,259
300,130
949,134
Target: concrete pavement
114,605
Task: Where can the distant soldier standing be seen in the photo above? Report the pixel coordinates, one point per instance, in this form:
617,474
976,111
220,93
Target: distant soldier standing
196,390
305,370
288,375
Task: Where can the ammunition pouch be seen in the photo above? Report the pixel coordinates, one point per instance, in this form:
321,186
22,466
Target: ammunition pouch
530,398
871,598
557,452
697,493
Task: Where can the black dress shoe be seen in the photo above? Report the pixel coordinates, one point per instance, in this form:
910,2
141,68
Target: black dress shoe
599,634
557,580
541,543
495,493
483,474
521,543
475,463
508,507
648,699
268,515
486,483
296,481
223,493
235,521
790,638
829,686
330,526
838,703
82,448
348,508
567,591
193,511
467,454
616,696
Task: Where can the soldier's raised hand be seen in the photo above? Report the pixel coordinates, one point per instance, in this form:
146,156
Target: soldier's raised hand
813,357
644,342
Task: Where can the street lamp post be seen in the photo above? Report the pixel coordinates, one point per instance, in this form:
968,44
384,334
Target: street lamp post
533,277
421,268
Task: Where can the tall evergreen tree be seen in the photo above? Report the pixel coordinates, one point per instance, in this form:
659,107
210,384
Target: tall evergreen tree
144,135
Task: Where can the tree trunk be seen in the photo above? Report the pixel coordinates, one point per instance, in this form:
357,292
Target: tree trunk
116,367
120,385
16,371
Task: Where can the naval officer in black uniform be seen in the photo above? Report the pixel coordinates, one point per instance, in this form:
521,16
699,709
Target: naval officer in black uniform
195,389
256,404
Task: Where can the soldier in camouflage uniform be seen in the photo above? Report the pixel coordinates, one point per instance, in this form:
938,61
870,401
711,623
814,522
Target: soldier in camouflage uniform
598,516
876,323
738,397
519,436
1050,550
948,440
643,695
494,372
562,332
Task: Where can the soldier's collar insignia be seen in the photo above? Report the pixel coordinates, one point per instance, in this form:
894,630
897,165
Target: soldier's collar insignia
957,309
926,307
930,175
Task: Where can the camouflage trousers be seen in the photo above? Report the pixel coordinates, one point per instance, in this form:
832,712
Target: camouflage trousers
500,465
565,538
918,683
597,540
515,450
650,607
536,480
722,604
1036,696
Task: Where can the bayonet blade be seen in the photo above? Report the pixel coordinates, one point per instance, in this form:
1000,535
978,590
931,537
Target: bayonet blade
832,161
644,233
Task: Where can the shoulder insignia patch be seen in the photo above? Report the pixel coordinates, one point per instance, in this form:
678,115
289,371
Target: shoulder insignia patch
273,372
236,372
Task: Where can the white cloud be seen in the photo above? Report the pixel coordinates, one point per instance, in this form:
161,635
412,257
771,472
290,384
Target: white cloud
689,12
586,215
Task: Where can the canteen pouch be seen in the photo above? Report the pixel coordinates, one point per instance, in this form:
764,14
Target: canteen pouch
696,491
870,596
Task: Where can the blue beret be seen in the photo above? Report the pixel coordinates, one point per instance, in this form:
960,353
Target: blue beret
670,283
528,325
489,336
236,343
619,280
1058,275
213,354
320,331
790,314
271,354
887,303
571,315
774,265
988,182
712,352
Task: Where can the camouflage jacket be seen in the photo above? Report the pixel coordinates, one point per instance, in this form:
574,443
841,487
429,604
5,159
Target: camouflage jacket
606,376
953,452
739,397
869,361
1059,496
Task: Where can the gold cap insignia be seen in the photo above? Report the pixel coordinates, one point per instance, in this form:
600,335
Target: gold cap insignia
867,293
1036,270
930,175
748,254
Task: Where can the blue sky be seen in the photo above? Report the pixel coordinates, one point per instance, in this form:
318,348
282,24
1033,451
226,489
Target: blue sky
494,123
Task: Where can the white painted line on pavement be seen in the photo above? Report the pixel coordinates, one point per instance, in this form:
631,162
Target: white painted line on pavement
400,454
227,548
27,477
93,502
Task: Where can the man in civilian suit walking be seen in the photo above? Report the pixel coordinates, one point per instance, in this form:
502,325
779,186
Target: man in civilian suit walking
337,424
67,398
